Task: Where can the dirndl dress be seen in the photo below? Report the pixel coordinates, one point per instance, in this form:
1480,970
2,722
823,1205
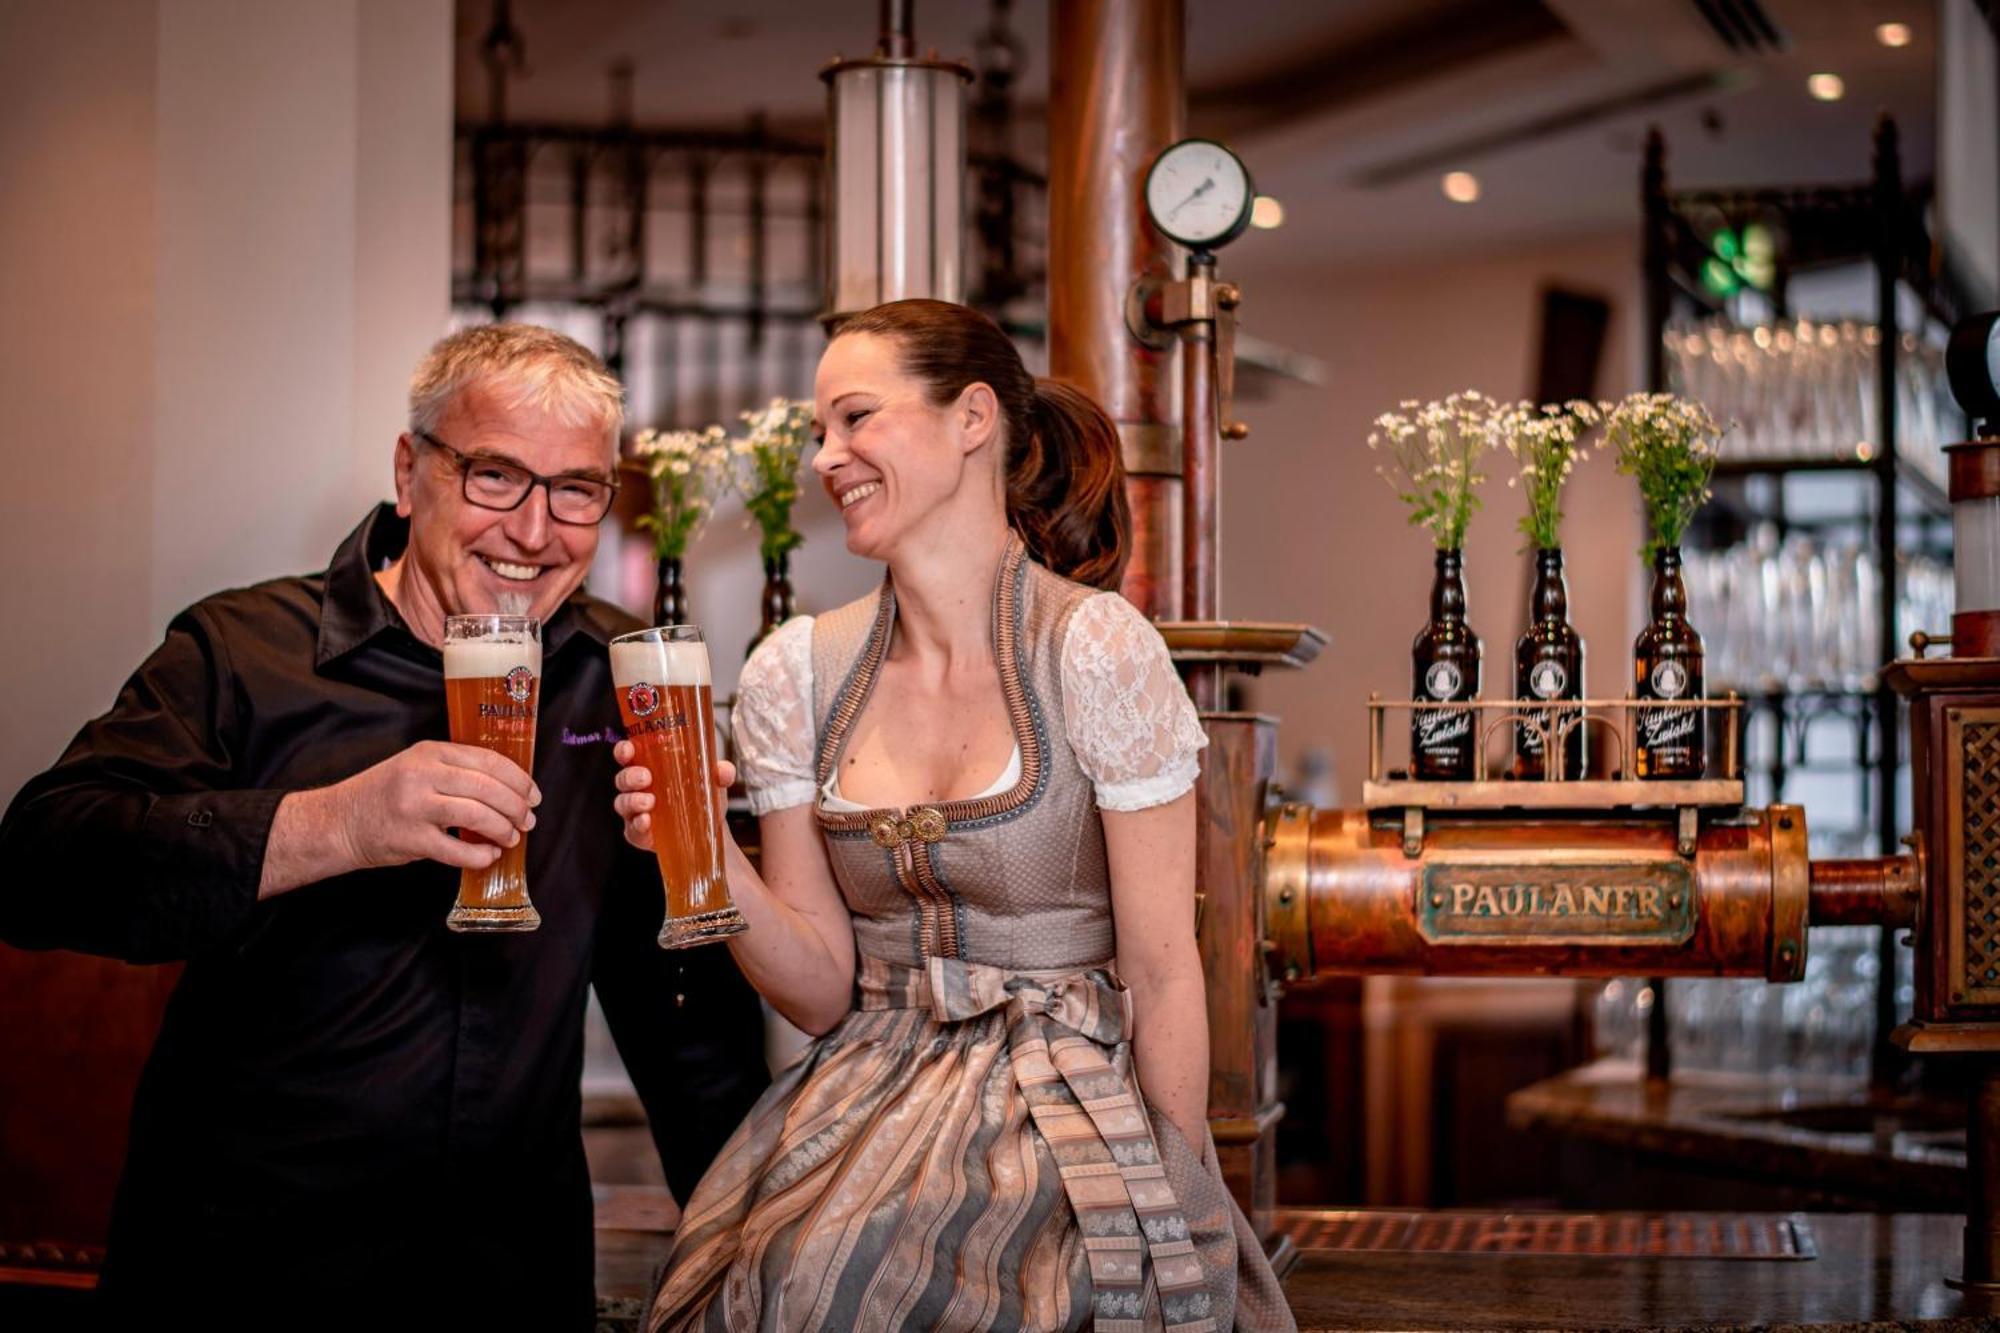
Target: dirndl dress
969,1148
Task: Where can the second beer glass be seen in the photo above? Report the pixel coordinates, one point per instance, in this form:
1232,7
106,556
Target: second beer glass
492,675
665,700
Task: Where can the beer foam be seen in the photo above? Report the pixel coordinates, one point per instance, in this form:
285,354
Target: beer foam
496,656
658,663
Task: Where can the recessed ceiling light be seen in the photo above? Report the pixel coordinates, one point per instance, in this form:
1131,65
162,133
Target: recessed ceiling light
1461,187
1267,213
1827,87
1893,34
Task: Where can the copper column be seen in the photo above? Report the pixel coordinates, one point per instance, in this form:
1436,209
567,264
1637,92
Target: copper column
1116,98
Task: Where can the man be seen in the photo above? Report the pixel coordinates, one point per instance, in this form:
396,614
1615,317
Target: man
351,1110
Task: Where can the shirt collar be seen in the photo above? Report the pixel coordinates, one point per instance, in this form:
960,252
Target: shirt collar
357,611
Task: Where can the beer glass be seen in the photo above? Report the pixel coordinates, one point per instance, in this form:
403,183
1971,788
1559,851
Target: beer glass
492,675
665,700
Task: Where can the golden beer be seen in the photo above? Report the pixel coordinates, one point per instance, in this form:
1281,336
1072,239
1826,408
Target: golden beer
492,679
665,699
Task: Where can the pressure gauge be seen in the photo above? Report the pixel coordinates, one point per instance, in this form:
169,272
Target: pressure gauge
1198,193
1972,362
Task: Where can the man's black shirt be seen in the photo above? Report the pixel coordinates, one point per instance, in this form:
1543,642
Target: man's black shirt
345,1097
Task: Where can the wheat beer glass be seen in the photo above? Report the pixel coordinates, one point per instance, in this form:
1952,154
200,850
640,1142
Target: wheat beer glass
492,676
664,697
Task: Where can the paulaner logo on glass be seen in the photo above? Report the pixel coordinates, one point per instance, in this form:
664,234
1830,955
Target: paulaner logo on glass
519,683
644,699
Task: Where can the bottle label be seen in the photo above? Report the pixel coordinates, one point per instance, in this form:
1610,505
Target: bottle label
1673,736
1670,731
1443,729
1443,680
1548,679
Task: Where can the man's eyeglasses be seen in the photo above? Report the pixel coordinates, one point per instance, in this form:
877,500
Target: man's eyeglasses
493,484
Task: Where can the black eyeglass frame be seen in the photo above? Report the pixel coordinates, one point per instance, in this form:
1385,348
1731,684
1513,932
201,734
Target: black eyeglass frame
464,463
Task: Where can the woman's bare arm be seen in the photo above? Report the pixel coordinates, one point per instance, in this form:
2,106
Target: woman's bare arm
799,949
1152,907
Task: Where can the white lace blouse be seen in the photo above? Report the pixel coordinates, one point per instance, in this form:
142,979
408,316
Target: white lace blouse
1125,712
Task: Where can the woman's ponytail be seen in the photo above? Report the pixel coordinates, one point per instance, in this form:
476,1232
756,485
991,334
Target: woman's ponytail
1066,488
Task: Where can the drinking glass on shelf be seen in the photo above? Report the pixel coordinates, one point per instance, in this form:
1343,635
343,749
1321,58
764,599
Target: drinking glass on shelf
1806,389
1805,614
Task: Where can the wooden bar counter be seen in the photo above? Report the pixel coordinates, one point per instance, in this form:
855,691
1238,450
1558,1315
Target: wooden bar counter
1871,1272
1745,1140
1849,1271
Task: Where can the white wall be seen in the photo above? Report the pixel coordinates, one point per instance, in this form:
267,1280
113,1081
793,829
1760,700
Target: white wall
304,185
225,244
76,363
1310,533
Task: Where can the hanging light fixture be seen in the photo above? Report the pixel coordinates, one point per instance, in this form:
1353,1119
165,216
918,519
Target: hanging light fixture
895,174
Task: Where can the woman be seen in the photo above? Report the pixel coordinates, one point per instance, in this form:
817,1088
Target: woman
998,1126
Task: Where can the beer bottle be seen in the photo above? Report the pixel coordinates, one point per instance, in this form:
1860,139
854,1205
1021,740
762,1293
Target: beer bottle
1445,658
1667,664
1548,664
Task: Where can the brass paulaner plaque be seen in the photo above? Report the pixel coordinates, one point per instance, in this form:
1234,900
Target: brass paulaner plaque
1566,902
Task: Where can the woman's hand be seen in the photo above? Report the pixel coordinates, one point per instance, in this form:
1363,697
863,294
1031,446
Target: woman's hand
799,949
634,802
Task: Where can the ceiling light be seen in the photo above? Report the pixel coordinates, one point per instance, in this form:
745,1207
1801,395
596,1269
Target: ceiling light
1267,213
1893,34
1461,187
1827,87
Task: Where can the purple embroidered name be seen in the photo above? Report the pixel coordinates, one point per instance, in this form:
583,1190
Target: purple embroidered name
607,736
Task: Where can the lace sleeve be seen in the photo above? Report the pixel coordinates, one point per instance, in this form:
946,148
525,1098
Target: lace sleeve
1127,715
773,719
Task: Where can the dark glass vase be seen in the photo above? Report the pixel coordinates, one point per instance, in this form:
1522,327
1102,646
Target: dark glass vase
1667,664
1548,667
670,599
778,603
1445,667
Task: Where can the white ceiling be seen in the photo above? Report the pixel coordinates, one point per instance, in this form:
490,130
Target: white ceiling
1593,78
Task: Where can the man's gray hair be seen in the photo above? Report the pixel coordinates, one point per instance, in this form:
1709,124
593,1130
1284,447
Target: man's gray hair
526,366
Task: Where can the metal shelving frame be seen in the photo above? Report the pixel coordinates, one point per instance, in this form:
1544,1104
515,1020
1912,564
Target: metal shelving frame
1879,223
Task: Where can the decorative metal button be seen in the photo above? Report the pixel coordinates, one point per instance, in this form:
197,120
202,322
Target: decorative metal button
924,824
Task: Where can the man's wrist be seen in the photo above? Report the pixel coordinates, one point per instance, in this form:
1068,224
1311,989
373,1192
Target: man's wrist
309,841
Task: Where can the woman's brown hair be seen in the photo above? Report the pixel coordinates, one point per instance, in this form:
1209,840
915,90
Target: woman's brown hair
1065,475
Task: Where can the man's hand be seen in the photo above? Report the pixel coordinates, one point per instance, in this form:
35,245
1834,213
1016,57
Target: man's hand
634,802
398,812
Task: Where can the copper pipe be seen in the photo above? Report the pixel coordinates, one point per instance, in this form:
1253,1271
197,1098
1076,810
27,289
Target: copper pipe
1201,530
1200,450
1117,96
1153,576
1870,891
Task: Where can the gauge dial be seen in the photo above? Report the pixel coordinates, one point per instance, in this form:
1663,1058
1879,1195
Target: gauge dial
1972,362
1199,193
